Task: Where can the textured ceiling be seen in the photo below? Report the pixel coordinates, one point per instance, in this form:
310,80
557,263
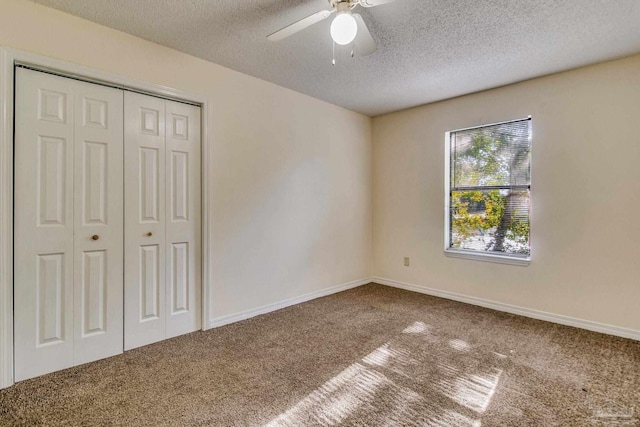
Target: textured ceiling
428,50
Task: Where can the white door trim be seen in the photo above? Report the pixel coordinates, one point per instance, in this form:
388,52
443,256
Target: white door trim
8,59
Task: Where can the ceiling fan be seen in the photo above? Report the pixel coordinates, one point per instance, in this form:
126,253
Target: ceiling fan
346,28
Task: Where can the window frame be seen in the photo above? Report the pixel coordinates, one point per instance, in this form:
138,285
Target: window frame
477,255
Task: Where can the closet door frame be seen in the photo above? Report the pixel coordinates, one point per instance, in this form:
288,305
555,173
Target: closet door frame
9,59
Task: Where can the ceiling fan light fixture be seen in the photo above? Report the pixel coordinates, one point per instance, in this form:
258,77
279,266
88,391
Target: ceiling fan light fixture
344,27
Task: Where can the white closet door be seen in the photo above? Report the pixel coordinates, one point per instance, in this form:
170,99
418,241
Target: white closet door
68,180
98,223
162,220
144,271
43,224
183,230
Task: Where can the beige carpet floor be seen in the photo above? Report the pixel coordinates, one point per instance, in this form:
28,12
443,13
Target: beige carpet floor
371,356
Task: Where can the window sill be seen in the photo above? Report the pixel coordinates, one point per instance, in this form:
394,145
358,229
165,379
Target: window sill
488,257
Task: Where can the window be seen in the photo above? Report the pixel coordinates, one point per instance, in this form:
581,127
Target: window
488,192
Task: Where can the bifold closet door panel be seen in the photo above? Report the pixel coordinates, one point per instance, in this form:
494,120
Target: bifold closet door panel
68,188
98,223
145,192
43,224
162,219
183,213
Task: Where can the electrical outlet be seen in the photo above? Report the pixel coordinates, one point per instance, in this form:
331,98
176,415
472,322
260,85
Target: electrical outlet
406,261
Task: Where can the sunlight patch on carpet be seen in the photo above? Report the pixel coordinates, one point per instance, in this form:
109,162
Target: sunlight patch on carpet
473,391
460,345
384,385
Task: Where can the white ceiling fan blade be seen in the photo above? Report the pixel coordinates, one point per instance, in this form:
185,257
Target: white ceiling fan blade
299,25
365,45
372,3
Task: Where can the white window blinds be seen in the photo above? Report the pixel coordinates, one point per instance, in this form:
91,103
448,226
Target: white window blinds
490,186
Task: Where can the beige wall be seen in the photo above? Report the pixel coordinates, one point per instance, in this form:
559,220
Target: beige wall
291,190
585,227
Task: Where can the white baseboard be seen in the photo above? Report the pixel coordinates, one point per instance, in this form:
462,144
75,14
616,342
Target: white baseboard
232,318
513,309
507,308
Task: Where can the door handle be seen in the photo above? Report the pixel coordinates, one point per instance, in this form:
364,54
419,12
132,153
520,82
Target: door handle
95,237
149,234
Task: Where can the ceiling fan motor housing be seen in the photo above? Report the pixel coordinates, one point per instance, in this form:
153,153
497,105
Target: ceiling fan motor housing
342,5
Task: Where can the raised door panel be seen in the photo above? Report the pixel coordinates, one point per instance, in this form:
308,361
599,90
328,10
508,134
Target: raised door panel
51,170
179,267
145,195
94,293
50,310
183,251
52,105
98,222
43,224
95,182
149,185
149,283
179,186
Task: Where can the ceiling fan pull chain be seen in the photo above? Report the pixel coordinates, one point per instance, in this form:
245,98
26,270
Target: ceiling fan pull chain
333,60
